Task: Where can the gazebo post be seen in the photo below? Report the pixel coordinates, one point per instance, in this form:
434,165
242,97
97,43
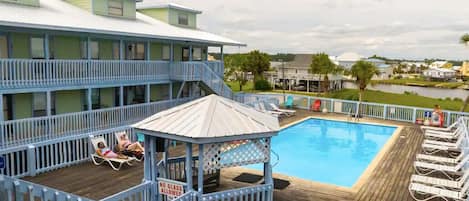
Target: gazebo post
268,172
200,174
189,166
147,163
165,158
154,168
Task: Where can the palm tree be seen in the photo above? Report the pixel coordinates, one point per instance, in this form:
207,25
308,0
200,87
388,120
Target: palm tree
465,40
363,71
322,65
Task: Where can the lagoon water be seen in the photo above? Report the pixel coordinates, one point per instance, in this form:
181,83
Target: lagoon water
431,92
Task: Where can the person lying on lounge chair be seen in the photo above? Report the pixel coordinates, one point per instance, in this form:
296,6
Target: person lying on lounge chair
106,152
126,145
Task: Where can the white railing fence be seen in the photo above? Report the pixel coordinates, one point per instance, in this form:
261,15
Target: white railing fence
367,109
18,190
257,193
36,158
31,130
189,196
141,192
21,73
197,71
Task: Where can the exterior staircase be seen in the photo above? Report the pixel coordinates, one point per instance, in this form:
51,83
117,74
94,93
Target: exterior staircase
198,71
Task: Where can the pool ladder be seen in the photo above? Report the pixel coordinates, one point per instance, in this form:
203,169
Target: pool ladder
353,117
277,156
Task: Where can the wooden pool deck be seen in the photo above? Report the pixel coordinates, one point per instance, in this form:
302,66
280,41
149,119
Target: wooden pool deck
388,181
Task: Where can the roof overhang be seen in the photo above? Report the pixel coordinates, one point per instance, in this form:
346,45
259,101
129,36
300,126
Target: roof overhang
116,33
204,140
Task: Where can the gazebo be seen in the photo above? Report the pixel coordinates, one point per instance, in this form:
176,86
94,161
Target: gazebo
225,134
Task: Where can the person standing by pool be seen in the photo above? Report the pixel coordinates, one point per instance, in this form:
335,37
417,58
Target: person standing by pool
437,116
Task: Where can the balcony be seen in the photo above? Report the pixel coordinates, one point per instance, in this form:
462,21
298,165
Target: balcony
28,73
37,129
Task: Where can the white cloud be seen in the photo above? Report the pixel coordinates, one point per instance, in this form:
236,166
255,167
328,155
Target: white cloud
393,28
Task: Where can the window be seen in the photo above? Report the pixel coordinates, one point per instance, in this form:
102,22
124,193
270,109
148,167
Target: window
134,95
115,7
166,52
51,48
116,50
95,99
197,54
83,49
40,104
7,107
3,47
37,47
135,51
185,54
183,19
94,46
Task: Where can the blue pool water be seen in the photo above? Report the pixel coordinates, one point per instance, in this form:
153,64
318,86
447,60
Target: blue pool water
328,151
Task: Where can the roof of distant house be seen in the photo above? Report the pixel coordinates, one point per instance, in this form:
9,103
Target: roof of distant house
441,70
60,15
301,61
147,4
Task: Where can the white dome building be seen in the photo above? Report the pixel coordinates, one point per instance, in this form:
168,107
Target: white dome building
347,59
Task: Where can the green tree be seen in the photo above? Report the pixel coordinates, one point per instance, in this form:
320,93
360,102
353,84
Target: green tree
323,66
465,41
257,63
235,68
363,71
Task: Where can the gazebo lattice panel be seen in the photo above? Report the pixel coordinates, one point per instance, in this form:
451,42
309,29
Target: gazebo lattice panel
236,153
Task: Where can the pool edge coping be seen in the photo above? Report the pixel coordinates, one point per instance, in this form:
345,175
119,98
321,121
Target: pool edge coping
364,177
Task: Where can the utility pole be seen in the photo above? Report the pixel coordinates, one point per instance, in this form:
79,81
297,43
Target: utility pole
283,79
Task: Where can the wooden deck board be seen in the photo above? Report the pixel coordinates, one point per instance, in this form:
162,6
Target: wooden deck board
388,181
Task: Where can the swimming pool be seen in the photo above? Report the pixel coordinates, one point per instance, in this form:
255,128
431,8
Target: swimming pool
327,151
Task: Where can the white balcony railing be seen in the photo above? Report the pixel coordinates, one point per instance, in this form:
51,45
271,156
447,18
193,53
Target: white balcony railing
198,71
31,130
22,73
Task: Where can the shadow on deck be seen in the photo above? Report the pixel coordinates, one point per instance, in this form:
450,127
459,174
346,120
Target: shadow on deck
388,181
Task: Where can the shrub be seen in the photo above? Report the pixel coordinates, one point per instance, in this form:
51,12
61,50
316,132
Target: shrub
457,99
262,85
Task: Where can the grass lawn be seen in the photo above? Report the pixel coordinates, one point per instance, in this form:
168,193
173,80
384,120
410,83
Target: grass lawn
420,82
249,87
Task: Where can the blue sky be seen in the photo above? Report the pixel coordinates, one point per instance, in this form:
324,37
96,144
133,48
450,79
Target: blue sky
394,28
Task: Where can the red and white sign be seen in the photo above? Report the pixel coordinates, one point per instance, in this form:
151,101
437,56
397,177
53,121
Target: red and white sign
170,189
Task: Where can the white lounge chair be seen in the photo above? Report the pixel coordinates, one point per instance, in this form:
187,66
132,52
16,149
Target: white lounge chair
260,107
118,138
432,128
434,146
276,108
426,168
444,135
439,159
98,160
445,183
451,132
437,192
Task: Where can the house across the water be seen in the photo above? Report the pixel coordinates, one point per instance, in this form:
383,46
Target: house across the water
296,75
